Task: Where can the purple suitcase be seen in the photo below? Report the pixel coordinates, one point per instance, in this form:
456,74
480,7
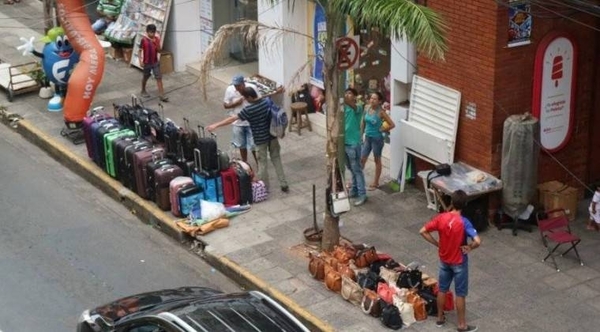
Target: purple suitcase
162,180
140,161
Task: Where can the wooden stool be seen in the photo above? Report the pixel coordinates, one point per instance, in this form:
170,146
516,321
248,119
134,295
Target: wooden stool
298,109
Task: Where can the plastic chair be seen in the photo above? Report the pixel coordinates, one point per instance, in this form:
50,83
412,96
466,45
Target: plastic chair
555,230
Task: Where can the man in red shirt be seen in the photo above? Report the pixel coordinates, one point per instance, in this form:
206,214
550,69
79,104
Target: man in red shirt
453,230
148,57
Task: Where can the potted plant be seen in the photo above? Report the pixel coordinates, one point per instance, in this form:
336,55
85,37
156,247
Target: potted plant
38,74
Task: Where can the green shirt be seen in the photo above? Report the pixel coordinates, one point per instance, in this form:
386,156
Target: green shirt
352,119
109,7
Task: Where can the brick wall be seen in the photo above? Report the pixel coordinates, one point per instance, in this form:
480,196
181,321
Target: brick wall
498,80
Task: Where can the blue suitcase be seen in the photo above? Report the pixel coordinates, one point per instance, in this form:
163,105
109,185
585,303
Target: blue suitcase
210,182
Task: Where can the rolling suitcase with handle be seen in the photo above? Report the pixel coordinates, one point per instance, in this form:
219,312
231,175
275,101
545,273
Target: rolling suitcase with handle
162,180
208,151
231,187
174,187
140,161
210,182
189,199
99,151
244,175
158,161
110,152
126,172
94,118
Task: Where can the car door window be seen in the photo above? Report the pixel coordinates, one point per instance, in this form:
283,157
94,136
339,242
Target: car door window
145,328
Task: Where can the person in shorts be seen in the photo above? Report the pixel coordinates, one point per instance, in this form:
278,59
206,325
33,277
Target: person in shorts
235,102
148,57
453,248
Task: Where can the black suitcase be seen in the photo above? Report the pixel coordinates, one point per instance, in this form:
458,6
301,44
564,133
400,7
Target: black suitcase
186,165
208,151
119,146
128,175
100,153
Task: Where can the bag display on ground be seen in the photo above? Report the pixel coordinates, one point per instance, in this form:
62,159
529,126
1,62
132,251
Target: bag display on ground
390,317
351,291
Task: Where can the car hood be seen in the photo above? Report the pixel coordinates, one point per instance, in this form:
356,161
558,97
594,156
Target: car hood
140,303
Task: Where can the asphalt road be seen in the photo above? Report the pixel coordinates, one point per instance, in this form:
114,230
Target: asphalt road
65,247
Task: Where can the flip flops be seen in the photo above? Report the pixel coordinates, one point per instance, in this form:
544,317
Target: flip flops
372,187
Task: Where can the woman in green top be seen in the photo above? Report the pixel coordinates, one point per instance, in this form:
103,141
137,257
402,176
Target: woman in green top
375,122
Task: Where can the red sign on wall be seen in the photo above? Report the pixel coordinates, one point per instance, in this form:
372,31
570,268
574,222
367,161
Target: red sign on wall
554,79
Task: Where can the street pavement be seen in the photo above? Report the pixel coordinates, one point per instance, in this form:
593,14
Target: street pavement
510,288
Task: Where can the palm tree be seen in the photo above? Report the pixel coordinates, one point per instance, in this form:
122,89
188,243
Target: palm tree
395,18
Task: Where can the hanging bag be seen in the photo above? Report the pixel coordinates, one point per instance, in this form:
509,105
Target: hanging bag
340,200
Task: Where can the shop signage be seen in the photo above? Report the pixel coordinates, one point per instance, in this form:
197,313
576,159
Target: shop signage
554,81
320,38
348,52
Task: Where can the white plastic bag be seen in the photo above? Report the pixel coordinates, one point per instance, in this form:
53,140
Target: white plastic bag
212,210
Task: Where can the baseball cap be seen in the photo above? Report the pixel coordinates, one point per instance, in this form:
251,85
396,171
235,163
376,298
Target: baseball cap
237,80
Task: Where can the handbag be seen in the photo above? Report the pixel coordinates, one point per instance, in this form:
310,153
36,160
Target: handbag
340,200
345,270
316,266
390,276
365,257
356,269
390,317
443,169
418,305
370,303
333,280
344,253
368,280
410,279
259,191
351,291
406,311
385,292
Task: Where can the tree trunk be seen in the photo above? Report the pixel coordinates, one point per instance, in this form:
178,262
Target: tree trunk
335,23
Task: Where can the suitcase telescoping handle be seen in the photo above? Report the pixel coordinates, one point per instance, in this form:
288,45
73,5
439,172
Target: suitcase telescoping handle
201,131
197,160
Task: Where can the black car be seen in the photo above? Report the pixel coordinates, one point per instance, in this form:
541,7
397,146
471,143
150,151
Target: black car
190,309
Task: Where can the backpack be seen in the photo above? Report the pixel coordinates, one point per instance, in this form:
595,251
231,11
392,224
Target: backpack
279,119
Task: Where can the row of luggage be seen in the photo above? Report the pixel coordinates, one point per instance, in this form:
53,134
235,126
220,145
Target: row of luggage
173,166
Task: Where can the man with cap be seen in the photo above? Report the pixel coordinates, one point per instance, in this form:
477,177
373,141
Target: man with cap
235,102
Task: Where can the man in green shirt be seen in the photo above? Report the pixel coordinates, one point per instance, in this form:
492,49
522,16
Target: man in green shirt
353,114
109,11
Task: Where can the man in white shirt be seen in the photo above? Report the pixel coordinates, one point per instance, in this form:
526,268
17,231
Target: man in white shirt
234,102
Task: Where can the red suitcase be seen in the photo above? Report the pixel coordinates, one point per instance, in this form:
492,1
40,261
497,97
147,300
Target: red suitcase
231,187
174,187
162,181
140,160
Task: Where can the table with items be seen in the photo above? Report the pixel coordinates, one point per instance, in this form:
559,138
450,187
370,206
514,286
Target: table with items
475,183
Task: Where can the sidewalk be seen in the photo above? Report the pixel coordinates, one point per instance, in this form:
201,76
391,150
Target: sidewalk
510,288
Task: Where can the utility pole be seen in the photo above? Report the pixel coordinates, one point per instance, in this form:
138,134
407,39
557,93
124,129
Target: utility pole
48,17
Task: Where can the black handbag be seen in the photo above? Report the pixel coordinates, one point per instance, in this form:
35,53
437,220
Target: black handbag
410,279
430,301
390,316
443,169
368,280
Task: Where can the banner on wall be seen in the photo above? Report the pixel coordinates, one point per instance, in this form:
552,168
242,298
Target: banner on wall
319,35
519,23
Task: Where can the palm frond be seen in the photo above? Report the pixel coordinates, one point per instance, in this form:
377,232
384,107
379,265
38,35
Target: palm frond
400,19
251,33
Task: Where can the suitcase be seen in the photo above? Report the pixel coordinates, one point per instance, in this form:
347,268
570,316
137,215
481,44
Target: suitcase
209,182
208,151
125,173
98,142
140,161
188,140
93,131
231,187
244,183
118,147
96,115
185,164
110,152
162,180
174,187
158,161
189,199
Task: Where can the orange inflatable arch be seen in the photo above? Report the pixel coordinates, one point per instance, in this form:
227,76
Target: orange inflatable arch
88,73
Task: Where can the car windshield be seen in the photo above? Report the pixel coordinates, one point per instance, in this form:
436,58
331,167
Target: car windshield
235,314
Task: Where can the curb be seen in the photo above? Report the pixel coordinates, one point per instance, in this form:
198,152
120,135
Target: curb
148,213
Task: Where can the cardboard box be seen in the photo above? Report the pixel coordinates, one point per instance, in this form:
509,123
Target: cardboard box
127,54
166,62
116,53
555,194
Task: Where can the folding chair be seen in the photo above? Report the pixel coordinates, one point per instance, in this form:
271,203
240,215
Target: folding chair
554,229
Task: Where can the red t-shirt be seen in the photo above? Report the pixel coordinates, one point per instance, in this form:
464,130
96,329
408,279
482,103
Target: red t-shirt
453,230
149,49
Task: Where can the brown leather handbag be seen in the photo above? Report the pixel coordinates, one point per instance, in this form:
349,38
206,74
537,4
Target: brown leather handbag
351,291
344,253
316,266
370,303
333,281
365,257
418,305
330,260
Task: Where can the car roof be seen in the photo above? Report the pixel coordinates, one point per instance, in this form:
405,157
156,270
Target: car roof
252,311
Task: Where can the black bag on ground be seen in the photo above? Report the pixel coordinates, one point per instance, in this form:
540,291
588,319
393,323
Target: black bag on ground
410,279
430,301
390,316
368,280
